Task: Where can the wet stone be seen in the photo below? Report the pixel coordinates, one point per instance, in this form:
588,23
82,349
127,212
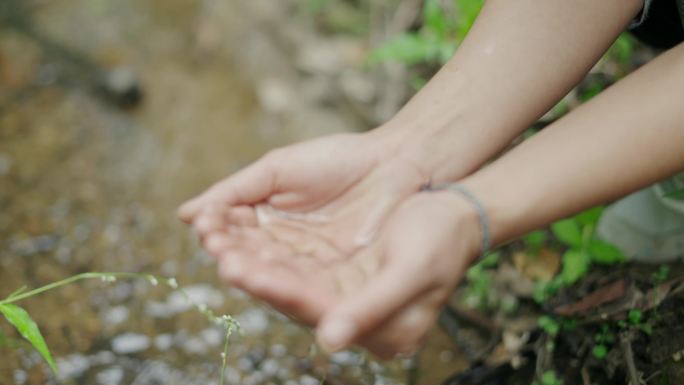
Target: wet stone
72,366
20,377
195,345
308,380
254,378
256,355
232,376
110,376
130,343
163,342
253,321
34,245
278,350
5,164
115,315
212,336
122,86
270,367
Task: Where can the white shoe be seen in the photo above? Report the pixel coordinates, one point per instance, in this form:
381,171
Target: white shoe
647,226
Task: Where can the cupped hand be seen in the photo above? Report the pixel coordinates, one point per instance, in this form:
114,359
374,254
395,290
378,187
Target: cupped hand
326,196
388,294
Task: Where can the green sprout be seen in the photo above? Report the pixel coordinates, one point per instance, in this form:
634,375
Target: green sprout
28,329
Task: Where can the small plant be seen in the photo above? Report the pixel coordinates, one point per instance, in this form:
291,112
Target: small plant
22,321
479,293
436,41
584,249
603,340
549,378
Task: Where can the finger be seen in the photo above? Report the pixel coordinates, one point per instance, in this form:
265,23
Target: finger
404,332
217,243
277,285
359,312
243,216
249,185
212,218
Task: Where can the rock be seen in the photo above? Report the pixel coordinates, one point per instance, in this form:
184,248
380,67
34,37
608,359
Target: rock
115,315
122,86
163,342
5,164
110,376
253,321
72,366
129,343
274,95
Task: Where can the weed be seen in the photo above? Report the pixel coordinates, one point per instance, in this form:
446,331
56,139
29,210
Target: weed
28,329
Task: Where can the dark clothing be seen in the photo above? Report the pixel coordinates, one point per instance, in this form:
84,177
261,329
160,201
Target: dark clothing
661,23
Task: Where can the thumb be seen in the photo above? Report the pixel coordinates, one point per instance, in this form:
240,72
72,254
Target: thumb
250,185
364,310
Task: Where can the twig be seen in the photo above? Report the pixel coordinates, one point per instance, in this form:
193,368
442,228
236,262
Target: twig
586,379
626,346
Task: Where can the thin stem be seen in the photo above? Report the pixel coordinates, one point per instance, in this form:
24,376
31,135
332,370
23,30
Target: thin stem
67,281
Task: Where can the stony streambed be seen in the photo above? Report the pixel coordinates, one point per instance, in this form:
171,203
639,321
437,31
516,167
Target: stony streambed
88,186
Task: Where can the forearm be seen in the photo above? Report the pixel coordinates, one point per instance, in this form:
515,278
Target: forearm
630,136
518,60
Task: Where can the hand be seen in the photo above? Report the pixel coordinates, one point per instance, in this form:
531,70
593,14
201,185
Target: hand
387,295
346,184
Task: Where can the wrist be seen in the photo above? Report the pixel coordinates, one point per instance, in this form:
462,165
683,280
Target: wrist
444,149
465,219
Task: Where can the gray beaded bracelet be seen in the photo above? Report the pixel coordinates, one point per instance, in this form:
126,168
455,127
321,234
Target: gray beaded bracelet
481,212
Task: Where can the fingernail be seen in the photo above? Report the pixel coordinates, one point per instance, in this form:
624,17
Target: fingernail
335,334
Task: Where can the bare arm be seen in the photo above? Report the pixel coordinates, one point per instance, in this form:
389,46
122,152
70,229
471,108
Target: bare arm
518,60
630,136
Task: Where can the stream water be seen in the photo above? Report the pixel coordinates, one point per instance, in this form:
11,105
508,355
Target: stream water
87,186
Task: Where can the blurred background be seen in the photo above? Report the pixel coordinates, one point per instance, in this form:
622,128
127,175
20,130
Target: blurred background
112,112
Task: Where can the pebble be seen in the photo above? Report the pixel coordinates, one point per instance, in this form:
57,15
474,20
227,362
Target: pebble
212,336
110,376
232,376
278,350
194,345
253,321
116,315
163,342
254,378
128,343
72,366
20,377
308,380
5,164
346,358
270,367
121,84
177,303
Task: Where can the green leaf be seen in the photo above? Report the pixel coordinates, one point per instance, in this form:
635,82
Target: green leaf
410,48
575,266
549,325
591,216
468,12
568,231
535,240
635,316
605,253
434,17
679,194
600,351
28,329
